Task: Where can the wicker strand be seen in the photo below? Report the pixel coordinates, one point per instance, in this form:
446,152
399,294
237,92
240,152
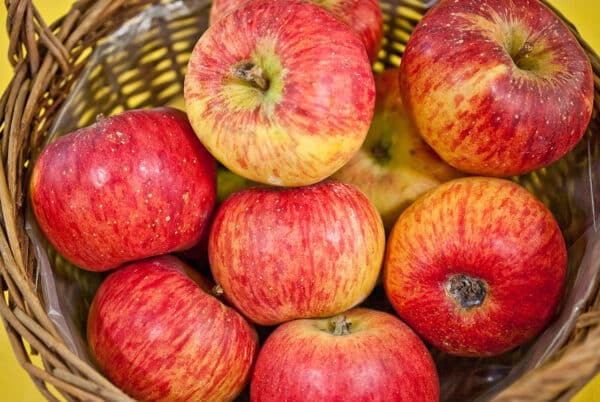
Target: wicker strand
32,339
550,380
62,385
9,285
15,268
58,346
89,386
54,45
16,341
16,15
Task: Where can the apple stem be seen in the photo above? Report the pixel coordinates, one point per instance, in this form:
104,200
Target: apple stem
523,52
466,290
217,291
249,72
340,326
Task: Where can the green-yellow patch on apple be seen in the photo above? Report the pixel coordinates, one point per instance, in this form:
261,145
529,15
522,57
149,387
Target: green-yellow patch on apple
242,95
394,165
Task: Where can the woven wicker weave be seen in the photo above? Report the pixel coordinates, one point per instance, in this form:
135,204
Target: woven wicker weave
65,74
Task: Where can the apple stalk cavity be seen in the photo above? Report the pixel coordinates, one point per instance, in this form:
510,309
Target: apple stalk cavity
339,326
252,73
521,56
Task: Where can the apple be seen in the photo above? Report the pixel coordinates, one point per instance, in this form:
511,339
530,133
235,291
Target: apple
497,88
229,183
362,16
280,92
476,266
286,253
157,334
394,165
361,355
130,186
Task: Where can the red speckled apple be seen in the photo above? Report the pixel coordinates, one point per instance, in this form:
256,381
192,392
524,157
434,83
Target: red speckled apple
281,254
476,266
394,165
280,92
362,16
362,355
496,87
159,335
131,186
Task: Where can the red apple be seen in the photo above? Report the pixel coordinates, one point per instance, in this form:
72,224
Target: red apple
362,16
282,254
362,355
280,92
394,165
158,335
497,87
476,266
131,186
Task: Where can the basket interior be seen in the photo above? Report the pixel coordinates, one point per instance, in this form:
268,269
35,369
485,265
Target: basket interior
143,64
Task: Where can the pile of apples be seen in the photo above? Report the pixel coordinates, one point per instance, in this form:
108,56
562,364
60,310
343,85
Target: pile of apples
350,191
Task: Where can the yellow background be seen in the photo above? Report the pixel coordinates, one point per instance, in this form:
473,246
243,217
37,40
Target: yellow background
16,386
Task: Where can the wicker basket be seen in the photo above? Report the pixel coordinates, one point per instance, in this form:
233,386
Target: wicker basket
67,73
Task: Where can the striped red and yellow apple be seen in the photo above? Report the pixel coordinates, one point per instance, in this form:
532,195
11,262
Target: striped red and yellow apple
280,92
361,355
394,166
362,16
130,186
476,266
496,87
158,334
286,253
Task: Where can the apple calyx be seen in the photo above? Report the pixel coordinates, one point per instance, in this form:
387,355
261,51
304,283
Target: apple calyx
381,151
249,72
466,290
339,326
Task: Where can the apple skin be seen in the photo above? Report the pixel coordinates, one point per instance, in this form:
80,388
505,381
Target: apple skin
362,16
130,186
158,335
281,254
490,230
311,113
395,165
379,359
514,94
